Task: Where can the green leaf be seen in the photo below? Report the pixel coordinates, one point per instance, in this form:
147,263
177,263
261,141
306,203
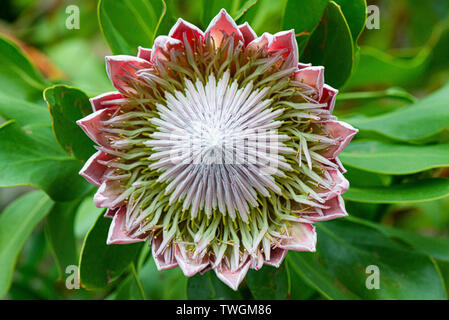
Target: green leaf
163,285
299,290
303,15
16,224
31,156
60,234
208,286
416,191
128,24
100,263
306,266
377,67
67,105
435,247
131,288
347,249
417,122
18,77
396,159
268,283
331,46
22,111
355,14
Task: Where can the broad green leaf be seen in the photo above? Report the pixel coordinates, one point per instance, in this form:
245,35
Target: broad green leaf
60,234
435,247
303,15
130,288
355,14
16,224
100,263
18,77
22,111
347,249
268,283
306,266
208,286
86,216
417,122
299,289
31,156
128,24
67,105
364,179
396,159
416,191
330,45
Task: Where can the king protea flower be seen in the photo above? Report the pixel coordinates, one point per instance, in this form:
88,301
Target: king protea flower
219,148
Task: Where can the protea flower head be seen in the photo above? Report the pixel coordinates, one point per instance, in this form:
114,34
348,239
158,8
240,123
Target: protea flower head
219,148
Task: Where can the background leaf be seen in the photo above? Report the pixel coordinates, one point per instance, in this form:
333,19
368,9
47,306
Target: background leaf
388,158
347,249
60,233
307,267
101,263
416,191
128,24
16,224
207,286
18,77
417,122
269,283
67,105
331,46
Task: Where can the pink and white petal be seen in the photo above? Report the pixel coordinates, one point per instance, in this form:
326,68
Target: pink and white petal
93,171
93,126
277,255
223,25
340,165
232,279
247,33
110,213
144,53
312,76
164,44
336,209
117,233
342,132
329,96
303,65
286,40
105,100
339,184
166,260
302,237
108,194
121,66
189,265
262,42
192,32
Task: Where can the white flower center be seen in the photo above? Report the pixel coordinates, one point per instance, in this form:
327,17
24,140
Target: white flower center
218,146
